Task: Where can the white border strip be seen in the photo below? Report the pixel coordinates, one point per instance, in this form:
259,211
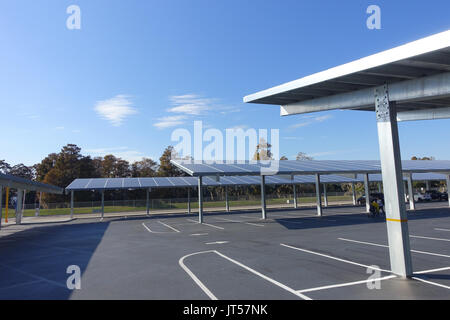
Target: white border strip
346,284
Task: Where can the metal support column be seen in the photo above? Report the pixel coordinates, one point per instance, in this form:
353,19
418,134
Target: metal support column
405,188
448,188
318,196
263,197
227,203
427,185
200,200
103,203
19,206
1,205
71,204
295,196
367,191
412,203
189,201
148,202
379,187
325,196
353,193
391,168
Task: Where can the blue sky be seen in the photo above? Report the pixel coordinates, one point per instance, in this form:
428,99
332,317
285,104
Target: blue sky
121,84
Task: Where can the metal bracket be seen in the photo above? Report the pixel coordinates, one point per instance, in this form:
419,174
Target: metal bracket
382,109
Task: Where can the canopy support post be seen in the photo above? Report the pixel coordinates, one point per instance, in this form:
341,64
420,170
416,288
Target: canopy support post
325,196
295,196
353,193
200,200
391,168
1,205
103,204
318,196
263,197
448,188
227,203
412,203
148,202
19,206
367,191
71,204
189,200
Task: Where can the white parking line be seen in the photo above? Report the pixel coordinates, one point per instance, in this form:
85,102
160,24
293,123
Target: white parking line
192,275
212,296
432,270
198,234
238,221
385,246
217,242
430,282
439,229
334,258
150,230
207,224
429,238
170,227
345,284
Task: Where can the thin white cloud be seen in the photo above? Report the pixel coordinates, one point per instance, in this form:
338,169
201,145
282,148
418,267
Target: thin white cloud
190,104
116,109
120,152
311,120
170,121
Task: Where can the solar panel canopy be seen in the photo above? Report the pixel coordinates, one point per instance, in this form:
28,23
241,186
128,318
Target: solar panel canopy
302,167
401,68
7,180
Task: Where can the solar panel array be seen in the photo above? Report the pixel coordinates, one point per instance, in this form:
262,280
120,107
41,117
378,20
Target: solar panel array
8,180
290,167
180,182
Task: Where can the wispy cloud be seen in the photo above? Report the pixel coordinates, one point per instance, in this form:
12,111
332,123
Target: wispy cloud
116,109
190,104
120,152
170,121
311,120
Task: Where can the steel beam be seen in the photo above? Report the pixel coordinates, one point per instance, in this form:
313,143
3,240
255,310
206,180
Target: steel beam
427,185
431,87
147,201
318,196
295,196
227,204
391,168
19,206
263,197
367,191
200,200
448,188
425,114
325,196
353,193
103,204
189,200
71,204
1,205
412,203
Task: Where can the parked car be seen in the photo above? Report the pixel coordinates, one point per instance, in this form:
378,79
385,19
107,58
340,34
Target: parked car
419,197
373,196
435,195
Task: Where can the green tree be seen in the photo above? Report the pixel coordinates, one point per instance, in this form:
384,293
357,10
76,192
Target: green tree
166,168
4,167
144,168
303,156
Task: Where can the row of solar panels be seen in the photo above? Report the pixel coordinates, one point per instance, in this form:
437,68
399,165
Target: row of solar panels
7,180
180,182
289,167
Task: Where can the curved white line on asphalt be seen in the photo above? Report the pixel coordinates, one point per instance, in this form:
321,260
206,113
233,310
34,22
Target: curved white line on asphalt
193,276
212,296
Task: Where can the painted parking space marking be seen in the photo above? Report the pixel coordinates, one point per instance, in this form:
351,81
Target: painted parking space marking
431,282
199,234
170,227
439,229
151,231
212,296
430,238
385,246
346,284
207,224
238,221
218,242
335,258
432,270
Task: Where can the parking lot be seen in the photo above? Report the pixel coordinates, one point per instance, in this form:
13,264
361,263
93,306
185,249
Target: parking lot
292,255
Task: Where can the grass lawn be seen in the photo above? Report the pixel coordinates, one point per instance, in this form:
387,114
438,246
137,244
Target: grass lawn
166,206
